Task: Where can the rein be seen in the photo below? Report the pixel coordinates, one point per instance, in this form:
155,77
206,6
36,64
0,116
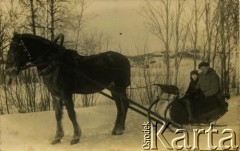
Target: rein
50,65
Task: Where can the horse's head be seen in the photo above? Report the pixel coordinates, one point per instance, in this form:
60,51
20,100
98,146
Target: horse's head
27,50
17,56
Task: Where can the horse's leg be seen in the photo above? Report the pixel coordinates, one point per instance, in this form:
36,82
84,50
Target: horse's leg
116,130
122,107
58,113
72,115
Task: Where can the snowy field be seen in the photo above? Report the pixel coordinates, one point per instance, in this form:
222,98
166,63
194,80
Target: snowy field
34,131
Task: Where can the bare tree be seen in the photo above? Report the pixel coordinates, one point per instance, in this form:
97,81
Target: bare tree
8,23
33,17
4,27
194,37
209,23
228,20
17,18
31,7
79,21
159,20
181,32
147,76
53,16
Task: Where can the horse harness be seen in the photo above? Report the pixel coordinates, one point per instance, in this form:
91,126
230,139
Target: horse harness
44,68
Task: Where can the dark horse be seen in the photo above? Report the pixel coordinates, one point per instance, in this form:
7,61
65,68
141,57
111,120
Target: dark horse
65,72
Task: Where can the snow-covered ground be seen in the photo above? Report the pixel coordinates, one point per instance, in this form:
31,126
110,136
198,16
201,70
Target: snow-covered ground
34,131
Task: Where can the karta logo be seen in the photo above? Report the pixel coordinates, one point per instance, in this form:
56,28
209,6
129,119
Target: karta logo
153,135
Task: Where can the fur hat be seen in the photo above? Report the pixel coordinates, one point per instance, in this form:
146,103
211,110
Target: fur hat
194,72
202,64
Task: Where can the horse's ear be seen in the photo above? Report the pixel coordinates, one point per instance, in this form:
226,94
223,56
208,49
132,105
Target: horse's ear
15,35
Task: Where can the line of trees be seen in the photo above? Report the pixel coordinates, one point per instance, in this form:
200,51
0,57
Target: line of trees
210,30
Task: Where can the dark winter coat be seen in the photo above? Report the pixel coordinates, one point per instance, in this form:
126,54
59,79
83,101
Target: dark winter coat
191,88
192,85
209,83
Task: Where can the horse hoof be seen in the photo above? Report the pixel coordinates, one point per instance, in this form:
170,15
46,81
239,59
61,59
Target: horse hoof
117,132
56,141
74,141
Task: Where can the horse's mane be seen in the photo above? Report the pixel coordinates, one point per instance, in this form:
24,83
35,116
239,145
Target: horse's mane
73,54
38,38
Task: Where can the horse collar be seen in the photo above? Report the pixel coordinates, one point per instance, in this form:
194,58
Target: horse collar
48,69
49,66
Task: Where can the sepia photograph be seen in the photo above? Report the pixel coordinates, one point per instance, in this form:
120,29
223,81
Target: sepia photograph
119,75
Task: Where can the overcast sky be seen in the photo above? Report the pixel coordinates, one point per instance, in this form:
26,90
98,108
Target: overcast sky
121,16
124,16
